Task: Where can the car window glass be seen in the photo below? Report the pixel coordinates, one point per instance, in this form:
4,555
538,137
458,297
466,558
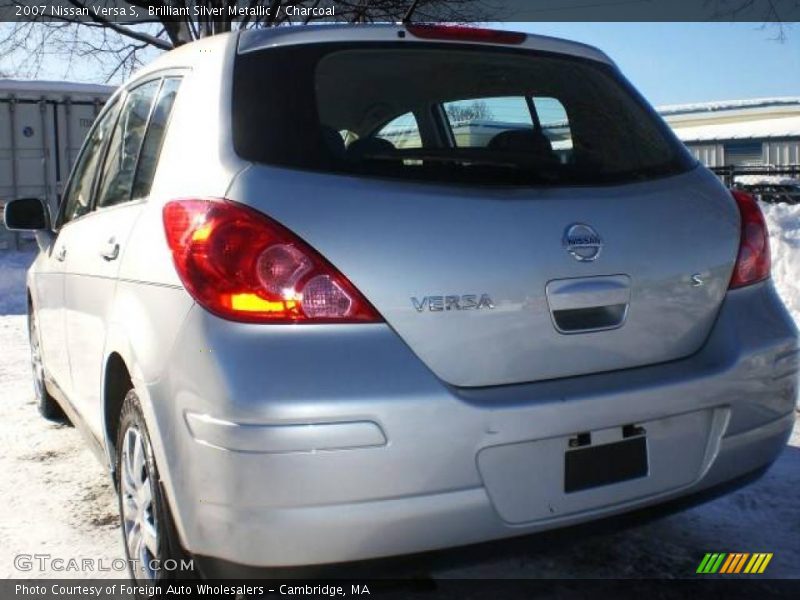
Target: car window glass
348,137
77,198
475,122
153,139
486,96
554,122
123,149
402,132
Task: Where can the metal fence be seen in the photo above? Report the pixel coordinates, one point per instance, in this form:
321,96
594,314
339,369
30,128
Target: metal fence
774,185
729,173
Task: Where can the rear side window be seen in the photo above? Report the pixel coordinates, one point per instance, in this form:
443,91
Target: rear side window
123,149
78,196
454,114
474,123
554,121
402,132
135,146
154,138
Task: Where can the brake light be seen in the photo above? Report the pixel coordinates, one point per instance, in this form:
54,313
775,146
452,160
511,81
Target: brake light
753,262
243,266
465,34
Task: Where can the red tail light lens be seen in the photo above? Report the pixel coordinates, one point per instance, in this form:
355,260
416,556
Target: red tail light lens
753,262
460,33
242,266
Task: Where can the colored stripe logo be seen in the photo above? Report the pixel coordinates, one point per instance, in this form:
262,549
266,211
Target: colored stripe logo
734,562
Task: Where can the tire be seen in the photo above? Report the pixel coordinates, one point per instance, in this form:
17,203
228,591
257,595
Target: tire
47,405
148,531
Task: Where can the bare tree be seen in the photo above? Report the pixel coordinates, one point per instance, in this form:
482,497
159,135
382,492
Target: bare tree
471,111
118,45
774,15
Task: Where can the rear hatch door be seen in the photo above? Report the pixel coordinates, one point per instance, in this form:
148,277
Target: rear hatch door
483,286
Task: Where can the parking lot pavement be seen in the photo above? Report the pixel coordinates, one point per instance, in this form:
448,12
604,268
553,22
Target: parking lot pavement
58,500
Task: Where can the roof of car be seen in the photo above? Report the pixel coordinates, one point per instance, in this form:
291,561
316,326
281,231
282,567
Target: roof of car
257,39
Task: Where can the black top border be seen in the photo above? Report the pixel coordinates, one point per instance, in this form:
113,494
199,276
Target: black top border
302,11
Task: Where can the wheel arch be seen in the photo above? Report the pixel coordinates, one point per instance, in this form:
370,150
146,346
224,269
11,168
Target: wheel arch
142,324
29,302
117,381
122,371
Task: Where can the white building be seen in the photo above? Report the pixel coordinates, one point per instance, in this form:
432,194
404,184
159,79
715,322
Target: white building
755,132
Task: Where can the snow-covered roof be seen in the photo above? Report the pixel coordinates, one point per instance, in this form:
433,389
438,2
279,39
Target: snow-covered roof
754,118
740,130
38,88
726,105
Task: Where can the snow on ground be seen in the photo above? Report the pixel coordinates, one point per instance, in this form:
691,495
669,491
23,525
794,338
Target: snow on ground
56,497
783,221
58,500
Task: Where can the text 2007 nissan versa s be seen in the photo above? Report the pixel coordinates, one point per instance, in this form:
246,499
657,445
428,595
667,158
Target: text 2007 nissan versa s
330,293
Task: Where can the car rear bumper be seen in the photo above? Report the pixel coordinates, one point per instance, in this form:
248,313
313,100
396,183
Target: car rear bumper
299,445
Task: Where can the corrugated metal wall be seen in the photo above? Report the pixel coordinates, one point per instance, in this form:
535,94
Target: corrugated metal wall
779,154
39,141
711,155
782,153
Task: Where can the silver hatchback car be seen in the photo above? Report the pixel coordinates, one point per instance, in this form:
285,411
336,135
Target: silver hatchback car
319,294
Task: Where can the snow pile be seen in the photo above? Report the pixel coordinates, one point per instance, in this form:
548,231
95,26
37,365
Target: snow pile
766,180
755,128
13,268
783,221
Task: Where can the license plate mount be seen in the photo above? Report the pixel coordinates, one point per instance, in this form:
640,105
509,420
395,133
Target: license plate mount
594,466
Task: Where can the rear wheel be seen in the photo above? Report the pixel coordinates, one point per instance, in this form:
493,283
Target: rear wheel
149,535
47,405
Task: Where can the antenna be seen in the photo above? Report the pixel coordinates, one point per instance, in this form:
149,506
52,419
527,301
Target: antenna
410,12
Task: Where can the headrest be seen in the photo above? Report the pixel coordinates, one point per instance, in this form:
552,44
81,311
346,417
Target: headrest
333,141
523,141
371,145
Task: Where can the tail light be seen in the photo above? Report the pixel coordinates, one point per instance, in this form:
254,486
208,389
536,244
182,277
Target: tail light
242,266
460,33
753,262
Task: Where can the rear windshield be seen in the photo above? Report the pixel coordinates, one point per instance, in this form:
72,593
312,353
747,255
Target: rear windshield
450,114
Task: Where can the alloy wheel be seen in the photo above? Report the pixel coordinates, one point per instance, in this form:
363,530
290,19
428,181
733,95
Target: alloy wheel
139,518
37,366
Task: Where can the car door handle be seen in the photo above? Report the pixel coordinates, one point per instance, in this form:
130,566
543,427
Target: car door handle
61,254
110,250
